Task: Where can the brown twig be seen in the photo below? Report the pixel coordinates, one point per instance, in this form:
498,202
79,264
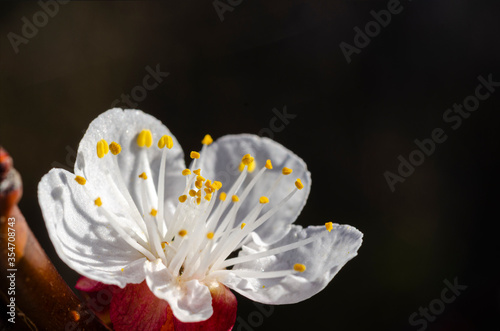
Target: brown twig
30,280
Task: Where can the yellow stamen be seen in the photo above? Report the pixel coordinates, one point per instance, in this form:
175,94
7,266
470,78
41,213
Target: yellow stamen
80,180
186,172
102,148
217,185
210,235
286,171
208,197
122,269
329,226
145,138
298,184
269,165
164,243
222,196
197,172
200,179
195,155
247,159
153,212
207,140
182,233
183,198
235,198
165,141
115,148
251,166
192,193
198,184
264,200
299,267
98,202
243,225
143,176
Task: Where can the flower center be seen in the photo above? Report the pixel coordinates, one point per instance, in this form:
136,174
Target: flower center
205,228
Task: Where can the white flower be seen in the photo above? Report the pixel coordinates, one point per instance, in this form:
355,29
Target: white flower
132,211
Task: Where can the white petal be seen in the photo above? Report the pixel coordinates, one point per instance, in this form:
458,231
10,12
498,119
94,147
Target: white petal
123,127
81,236
222,159
190,301
323,258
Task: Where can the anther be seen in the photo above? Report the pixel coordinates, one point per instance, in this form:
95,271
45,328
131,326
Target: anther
251,166
207,140
143,176
299,267
102,148
217,185
165,141
192,193
269,165
247,159
222,196
182,233
183,198
186,172
329,226
153,212
195,155
98,202
286,171
80,180
115,148
263,200
197,172
235,198
208,196
298,184
210,235
243,225
145,139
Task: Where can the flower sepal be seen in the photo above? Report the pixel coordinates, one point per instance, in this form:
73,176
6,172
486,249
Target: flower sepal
135,307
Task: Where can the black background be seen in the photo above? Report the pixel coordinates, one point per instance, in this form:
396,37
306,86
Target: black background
352,122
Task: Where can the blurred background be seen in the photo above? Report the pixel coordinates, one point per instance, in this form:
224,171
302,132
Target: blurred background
348,102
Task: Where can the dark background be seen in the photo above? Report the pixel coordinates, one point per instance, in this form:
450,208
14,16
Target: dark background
352,121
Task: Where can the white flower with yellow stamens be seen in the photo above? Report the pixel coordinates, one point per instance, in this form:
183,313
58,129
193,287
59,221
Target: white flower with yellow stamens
132,211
